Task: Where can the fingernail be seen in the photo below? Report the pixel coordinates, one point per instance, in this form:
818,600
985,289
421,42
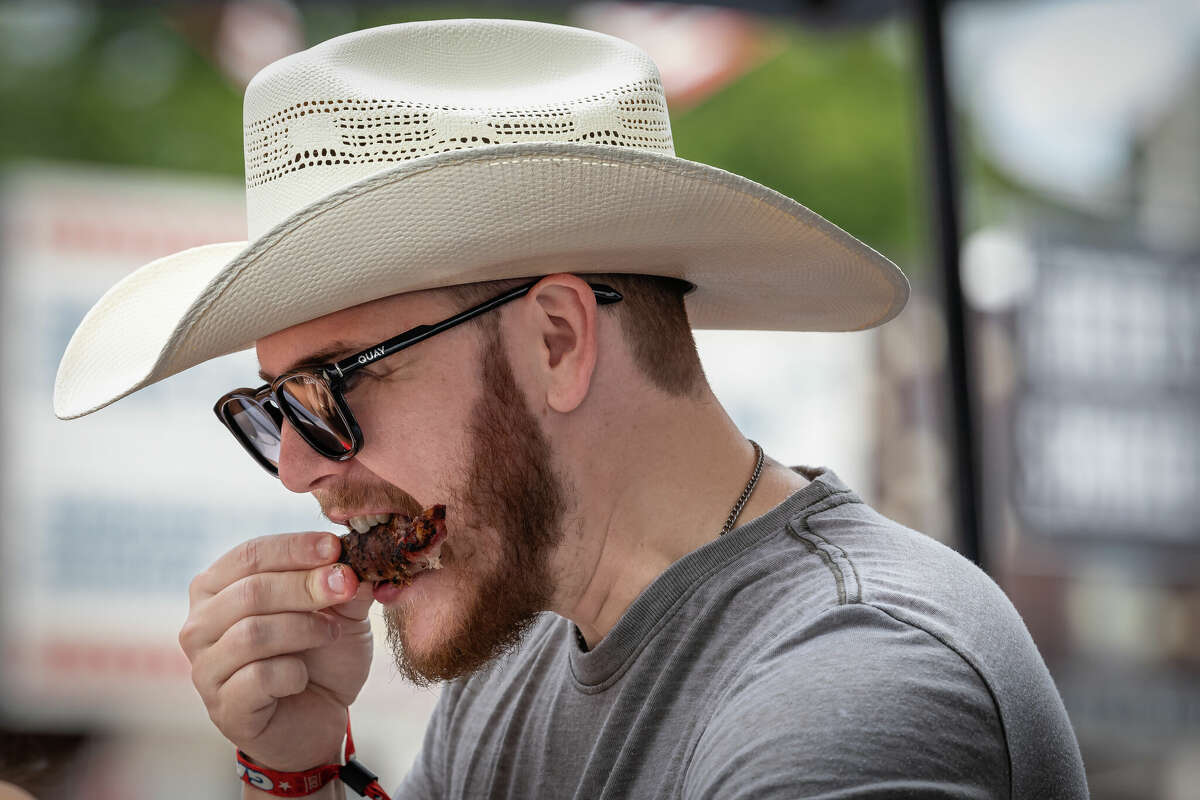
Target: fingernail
337,579
325,547
335,630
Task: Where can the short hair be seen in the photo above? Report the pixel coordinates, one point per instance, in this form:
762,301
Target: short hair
652,317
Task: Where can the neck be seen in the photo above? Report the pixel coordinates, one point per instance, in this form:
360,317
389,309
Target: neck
650,496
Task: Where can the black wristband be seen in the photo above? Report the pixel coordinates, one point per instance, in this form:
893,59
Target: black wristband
356,776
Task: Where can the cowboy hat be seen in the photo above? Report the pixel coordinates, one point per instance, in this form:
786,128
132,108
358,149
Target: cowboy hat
430,154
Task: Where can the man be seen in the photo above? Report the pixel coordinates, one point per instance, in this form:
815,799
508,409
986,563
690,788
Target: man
470,249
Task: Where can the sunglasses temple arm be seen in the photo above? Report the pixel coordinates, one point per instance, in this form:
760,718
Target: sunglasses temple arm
605,295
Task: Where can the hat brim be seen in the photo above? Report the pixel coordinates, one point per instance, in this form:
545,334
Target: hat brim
758,259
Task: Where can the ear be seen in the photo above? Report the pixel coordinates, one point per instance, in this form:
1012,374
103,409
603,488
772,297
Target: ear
562,312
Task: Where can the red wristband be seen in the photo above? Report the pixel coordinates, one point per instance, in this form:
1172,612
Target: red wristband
284,784
302,784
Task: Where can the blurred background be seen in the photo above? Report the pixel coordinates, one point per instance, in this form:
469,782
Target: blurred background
1034,167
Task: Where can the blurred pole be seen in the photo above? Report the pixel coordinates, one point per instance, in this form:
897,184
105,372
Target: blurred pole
928,19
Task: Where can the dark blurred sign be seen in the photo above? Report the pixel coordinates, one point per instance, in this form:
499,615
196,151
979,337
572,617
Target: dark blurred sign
1106,422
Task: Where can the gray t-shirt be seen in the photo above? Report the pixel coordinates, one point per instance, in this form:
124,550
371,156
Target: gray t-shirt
820,650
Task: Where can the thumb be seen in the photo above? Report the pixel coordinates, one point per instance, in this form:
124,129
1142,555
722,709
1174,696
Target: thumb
356,607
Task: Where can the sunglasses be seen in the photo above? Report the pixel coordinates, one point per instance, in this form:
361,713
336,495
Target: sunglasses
313,399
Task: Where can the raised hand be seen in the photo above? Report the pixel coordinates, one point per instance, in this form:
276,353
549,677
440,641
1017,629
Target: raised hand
280,646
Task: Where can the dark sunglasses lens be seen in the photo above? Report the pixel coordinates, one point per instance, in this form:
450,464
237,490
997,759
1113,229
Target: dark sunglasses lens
257,426
311,408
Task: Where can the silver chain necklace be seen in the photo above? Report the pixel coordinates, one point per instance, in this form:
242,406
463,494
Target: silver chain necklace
736,511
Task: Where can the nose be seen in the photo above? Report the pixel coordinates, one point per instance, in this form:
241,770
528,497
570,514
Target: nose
301,468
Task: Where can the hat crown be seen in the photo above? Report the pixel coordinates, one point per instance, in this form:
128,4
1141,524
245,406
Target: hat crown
362,103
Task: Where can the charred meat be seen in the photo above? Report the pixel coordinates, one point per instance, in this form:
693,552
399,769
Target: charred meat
398,549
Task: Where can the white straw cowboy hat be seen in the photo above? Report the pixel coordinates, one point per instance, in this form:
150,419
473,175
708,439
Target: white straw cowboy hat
430,154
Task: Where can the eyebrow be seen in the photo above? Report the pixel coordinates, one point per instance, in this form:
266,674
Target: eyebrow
323,356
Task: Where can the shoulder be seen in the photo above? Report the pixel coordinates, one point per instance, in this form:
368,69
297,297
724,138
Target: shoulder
917,580
853,699
884,621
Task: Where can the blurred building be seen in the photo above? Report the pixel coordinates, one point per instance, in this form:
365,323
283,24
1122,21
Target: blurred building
1083,278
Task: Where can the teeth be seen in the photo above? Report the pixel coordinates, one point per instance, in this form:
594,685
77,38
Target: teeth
363,523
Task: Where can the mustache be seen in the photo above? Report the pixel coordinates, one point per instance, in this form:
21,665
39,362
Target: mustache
357,496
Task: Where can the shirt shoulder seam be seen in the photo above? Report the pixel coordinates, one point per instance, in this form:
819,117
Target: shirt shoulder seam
841,567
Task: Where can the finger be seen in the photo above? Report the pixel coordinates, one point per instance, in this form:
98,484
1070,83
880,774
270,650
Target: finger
272,593
357,608
258,639
276,553
246,702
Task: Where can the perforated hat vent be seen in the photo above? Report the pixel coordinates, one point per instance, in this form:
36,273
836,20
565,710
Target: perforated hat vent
382,131
339,113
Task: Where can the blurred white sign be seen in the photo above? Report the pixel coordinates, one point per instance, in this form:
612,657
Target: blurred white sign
109,517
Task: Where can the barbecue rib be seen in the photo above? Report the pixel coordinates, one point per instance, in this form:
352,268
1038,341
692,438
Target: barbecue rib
398,549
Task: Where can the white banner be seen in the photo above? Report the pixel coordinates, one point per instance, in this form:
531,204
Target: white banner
109,517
